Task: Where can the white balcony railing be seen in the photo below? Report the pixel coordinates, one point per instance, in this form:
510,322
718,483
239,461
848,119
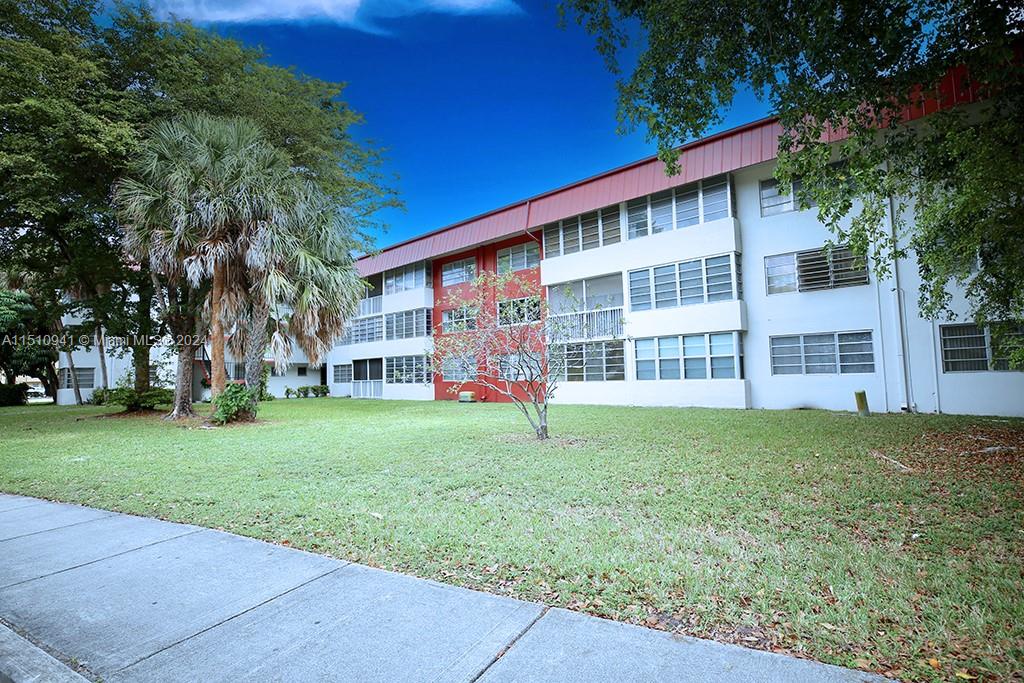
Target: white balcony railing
370,306
368,388
596,324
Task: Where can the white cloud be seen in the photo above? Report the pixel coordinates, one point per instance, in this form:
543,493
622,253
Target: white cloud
352,12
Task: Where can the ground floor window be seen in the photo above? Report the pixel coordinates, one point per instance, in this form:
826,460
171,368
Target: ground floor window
971,348
459,369
86,378
823,353
367,369
588,362
342,374
713,355
407,370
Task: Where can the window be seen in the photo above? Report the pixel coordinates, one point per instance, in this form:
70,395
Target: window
681,284
636,212
519,311
680,207
780,272
86,378
458,319
463,270
367,369
364,330
693,356
592,294
582,233
814,269
970,348
300,370
407,370
459,369
519,257
772,202
588,362
822,353
235,370
510,368
342,374
715,198
408,324
413,276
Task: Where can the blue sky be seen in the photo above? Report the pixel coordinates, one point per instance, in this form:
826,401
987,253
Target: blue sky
478,102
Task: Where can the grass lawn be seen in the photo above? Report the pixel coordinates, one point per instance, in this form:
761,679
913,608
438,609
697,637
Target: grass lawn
775,530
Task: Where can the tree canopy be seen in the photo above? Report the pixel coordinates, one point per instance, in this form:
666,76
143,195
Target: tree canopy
83,82
956,176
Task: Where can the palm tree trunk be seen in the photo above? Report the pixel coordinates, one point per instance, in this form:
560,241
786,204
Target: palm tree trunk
218,373
256,344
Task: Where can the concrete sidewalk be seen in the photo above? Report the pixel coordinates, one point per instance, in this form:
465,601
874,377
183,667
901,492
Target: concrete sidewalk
134,599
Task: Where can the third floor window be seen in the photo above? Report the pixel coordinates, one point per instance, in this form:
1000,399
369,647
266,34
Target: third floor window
814,269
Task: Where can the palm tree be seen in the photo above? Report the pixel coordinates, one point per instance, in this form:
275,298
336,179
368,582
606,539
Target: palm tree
302,282
201,192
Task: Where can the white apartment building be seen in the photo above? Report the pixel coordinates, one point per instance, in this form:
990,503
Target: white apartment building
707,289
703,289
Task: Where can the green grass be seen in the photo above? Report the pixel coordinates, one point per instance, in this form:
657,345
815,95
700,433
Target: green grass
775,530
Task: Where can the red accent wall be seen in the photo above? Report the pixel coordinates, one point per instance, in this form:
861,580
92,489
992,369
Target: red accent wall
486,260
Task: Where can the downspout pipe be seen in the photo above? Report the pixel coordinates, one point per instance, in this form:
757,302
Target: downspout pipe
899,320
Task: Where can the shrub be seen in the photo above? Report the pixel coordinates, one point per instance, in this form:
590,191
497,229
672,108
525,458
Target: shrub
288,392
264,392
303,392
234,404
100,397
134,400
320,390
13,394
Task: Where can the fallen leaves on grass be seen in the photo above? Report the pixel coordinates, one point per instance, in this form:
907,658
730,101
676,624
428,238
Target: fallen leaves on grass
977,453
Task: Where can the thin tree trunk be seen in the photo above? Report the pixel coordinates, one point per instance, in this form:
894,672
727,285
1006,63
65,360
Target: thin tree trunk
218,371
50,382
74,377
183,383
140,352
71,367
101,347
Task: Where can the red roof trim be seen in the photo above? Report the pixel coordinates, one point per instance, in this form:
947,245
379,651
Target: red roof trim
609,187
730,150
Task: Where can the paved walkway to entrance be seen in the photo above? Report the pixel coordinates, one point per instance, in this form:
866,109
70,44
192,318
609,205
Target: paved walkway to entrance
134,599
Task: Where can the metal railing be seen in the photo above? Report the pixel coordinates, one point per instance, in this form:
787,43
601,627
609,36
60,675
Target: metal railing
370,306
368,388
596,324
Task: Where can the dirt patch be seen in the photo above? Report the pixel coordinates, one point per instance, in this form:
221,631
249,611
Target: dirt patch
974,453
530,439
131,414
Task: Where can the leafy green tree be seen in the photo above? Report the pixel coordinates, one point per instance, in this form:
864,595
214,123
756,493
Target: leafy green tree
76,98
19,318
956,177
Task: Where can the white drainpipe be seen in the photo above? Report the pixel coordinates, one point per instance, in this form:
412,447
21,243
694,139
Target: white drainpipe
899,320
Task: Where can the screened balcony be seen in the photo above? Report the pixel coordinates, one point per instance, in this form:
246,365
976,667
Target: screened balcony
586,309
